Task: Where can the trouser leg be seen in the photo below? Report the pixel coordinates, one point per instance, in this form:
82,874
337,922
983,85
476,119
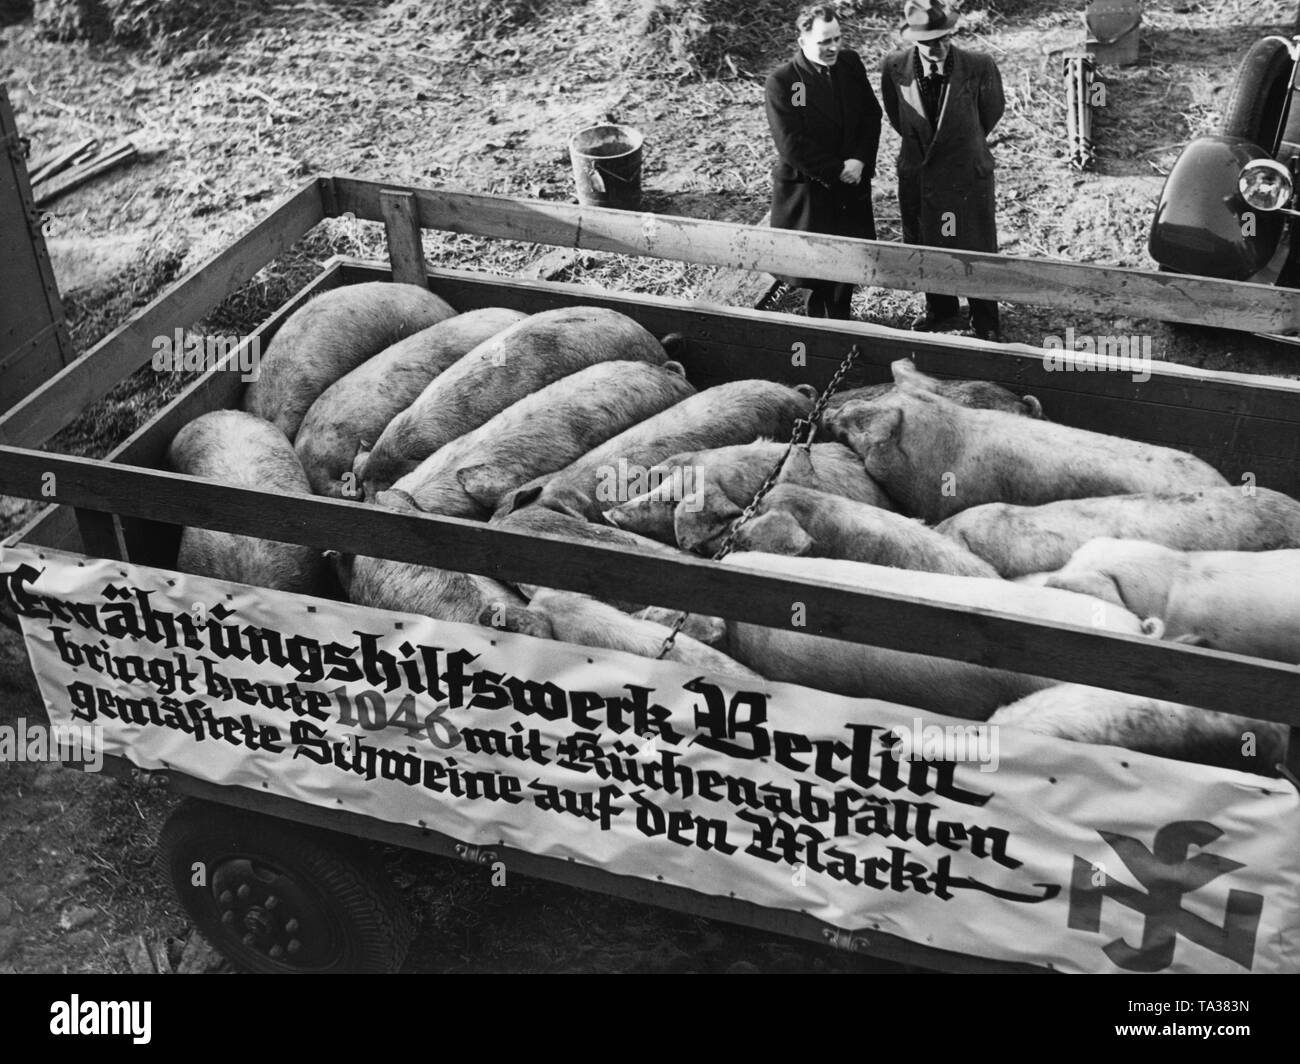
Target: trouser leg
830,300
984,315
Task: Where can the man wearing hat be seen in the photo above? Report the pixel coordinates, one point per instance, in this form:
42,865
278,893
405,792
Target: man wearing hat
825,120
944,101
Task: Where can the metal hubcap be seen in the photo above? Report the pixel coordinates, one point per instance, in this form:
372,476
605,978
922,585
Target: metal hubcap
272,914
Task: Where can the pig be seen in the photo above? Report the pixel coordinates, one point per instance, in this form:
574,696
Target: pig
329,337
498,373
442,594
541,433
983,395
730,476
353,411
795,520
1020,540
234,447
738,412
580,619
1149,726
1240,601
941,685
935,458
550,522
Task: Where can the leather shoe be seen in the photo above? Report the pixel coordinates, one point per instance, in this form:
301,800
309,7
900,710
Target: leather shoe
926,323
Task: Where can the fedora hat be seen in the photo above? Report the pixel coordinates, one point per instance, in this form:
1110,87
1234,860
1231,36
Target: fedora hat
924,20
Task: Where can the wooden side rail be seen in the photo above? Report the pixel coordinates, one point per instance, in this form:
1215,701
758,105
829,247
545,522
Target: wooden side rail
1212,679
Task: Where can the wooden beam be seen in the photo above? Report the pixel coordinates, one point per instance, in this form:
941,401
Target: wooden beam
405,249
62,398
739,288
1211,679
1014,279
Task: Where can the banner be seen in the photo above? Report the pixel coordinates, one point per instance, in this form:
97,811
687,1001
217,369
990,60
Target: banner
987,841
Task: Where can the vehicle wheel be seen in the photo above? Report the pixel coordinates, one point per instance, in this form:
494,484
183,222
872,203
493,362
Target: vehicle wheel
278,897
1259,95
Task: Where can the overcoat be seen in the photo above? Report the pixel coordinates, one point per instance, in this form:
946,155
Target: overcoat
945,174
813,139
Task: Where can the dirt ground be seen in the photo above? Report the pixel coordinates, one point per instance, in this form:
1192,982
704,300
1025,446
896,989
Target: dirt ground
392,91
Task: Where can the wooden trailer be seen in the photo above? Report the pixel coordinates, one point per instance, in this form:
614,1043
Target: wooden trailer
128,508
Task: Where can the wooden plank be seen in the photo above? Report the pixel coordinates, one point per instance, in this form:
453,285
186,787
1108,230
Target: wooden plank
405,249
1008,278
585,877
34,339
1219,681
738,331
83,174
738,288
48,409
55,162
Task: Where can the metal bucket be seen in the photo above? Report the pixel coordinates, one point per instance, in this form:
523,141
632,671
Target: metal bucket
607,166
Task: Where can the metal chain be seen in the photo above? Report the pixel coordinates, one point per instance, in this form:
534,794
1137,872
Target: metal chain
810,424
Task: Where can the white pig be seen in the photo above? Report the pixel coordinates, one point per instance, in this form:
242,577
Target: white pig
580,619
442,594
938,684
730,476
238,448
1018,540
511,365
935,458
1150,726
554,523
983,395
354,410
795,520
738,412
541,433
1241,601
329,337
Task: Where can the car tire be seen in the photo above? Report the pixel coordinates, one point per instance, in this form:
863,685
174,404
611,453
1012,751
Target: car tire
1257,105
277,897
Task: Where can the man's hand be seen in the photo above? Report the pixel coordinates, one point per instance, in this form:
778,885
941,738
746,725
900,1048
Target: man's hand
852,172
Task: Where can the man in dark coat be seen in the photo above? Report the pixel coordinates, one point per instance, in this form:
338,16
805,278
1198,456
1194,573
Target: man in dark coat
944,101
825,120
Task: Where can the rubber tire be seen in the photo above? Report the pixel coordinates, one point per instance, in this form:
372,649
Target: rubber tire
373,925
1259,94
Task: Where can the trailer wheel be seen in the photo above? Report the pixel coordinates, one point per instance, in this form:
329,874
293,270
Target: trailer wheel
1259,95
275,897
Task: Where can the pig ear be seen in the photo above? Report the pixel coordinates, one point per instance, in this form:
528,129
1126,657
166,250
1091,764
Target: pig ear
570,502
673,344
508,617
517,500
880,427
675,367
484,484
777,533
907,375
1032,406
692,529
807,391
396,499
